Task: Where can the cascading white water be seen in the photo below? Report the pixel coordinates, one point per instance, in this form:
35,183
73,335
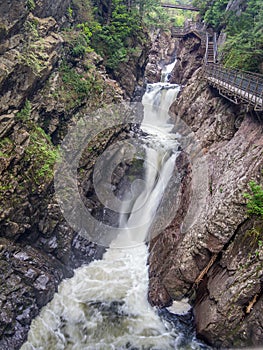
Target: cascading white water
167,70
104,306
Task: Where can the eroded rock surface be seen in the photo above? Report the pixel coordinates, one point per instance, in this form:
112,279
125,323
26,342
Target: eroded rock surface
44,91
218,258
190,57
163,51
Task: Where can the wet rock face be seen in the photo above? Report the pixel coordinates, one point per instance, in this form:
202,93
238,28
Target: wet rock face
163,246
130,74
50,8
236,6
217,250
189,58
14,12
229,298
28,281
30,50
163,51
37,246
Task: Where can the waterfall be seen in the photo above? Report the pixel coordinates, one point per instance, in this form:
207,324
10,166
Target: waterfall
104,306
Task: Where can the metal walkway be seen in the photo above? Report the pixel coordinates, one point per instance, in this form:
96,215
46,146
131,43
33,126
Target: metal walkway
189,27
235,85
181,7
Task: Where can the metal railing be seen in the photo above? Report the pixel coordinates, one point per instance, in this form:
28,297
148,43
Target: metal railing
193,25
236,85
211,48
190,27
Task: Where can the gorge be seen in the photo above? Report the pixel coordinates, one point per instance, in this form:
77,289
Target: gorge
187,235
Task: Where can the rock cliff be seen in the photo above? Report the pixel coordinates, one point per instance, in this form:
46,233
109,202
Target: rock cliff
44,89
218,261
163,51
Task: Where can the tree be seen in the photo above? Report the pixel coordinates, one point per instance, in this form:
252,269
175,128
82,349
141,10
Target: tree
121,22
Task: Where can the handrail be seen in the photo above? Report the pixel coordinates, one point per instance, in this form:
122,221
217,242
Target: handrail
190,27
206,47
215,47
234,84
243,86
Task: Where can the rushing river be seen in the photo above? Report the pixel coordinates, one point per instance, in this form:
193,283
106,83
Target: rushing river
104,306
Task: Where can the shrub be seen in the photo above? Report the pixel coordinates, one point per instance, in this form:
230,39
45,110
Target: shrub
25,112
255,199
42,154
30,5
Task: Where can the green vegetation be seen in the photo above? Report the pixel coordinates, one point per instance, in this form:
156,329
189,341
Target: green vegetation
244,45
34,54
243,48
70,12
215,15
113,30
42,154
24,113
7,147
77,86
30,5
75,81
256,240
255,199
178,17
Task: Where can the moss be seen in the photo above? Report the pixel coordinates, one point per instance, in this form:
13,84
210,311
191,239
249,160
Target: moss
33,54
42,155
255,199
25,113
77,87
30,5
35,164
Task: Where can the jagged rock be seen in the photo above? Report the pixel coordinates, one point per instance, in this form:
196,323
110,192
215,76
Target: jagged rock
28,58
28,281
164,50
50,8
229,298
231,140
190,57
236,6
37,246
131,73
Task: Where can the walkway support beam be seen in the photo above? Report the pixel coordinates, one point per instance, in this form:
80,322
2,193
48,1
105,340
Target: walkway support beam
181,7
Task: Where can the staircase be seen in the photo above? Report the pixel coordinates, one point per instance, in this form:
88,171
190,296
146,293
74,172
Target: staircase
235,85
211,48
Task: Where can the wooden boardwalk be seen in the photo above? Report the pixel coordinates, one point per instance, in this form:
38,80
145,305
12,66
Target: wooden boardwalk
181,7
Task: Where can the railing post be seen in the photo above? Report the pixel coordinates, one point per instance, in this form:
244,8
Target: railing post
215,47
206,49
249,90
256,92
